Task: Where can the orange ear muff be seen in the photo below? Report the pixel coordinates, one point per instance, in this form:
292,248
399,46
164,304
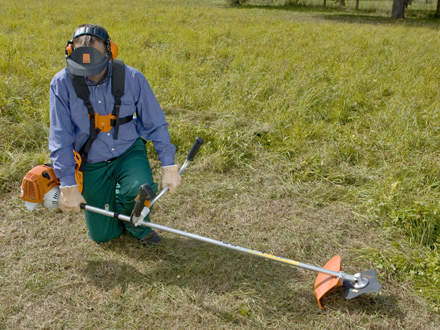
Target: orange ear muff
69,48
113,49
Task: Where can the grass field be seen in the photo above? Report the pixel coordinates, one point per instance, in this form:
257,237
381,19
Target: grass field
322,132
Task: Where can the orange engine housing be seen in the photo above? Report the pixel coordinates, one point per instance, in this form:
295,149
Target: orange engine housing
37,182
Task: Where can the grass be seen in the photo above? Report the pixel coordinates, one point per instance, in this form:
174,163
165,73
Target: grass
321,131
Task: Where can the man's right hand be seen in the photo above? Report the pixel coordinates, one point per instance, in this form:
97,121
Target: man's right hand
70,199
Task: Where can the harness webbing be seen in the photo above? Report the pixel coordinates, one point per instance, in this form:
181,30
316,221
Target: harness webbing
118,85
82,91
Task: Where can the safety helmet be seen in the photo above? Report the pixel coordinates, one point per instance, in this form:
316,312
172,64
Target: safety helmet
88,61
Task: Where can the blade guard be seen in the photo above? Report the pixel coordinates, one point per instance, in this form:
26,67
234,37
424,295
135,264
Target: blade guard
324,282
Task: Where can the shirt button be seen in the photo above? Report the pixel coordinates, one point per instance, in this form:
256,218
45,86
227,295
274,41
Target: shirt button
99,101
108,134
113,149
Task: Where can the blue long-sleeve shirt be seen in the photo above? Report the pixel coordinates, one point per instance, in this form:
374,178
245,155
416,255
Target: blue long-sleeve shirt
70,125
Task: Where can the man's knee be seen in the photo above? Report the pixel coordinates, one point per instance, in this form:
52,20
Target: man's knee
132,190
101,228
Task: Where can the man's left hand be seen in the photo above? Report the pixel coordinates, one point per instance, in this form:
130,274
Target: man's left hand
171,177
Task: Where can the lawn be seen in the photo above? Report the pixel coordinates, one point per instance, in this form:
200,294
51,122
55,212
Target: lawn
322,130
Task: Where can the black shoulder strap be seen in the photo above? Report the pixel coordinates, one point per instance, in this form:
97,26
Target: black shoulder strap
118,78
118,86
82,91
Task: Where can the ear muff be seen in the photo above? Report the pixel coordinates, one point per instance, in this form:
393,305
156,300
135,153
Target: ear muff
69,48
113,50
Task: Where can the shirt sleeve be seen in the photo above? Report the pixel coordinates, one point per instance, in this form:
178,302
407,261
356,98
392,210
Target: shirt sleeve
151,122
61,137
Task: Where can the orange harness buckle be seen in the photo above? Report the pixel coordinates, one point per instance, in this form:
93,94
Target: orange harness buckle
78,173
104,122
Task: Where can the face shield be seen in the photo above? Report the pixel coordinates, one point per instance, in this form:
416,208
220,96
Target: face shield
86,61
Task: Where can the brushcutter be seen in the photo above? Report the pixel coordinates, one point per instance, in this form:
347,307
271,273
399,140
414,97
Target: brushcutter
329,276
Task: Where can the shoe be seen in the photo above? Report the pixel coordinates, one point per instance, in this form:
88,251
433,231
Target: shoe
152,238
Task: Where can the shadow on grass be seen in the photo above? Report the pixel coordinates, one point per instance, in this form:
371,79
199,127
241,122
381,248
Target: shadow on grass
207,269
371,304
353,18
293,7
107,275
415,18
184,262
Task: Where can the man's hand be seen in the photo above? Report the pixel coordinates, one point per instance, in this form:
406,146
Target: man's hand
70,199
171,177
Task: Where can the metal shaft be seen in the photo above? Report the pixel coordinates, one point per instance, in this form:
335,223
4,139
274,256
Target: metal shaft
341,275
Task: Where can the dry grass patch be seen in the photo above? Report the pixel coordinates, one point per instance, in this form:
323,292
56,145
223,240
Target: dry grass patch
55,276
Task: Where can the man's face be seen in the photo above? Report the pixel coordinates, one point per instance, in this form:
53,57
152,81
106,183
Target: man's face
99,45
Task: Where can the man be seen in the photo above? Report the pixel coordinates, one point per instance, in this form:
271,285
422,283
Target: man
99,111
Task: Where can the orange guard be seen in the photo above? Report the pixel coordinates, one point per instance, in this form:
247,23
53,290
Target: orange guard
324,282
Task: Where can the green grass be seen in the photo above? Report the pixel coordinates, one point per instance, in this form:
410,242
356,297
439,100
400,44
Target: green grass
321,130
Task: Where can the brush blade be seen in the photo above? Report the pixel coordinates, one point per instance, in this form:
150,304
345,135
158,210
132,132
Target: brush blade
350,291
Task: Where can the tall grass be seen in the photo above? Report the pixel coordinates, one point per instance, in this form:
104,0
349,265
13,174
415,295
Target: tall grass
349,106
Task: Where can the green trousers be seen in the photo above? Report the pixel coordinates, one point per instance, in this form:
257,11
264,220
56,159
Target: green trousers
114,185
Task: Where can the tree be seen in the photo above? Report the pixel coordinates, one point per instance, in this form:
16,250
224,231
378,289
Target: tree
437,13
398,10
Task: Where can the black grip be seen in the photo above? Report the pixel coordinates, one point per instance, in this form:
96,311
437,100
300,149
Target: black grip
145,193
82,206
195,149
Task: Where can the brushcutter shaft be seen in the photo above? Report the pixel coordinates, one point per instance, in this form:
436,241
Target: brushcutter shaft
110,214
341,275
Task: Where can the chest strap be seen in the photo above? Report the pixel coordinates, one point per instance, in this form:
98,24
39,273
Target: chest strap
106,122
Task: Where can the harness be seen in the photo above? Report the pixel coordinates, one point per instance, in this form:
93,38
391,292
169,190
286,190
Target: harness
101,123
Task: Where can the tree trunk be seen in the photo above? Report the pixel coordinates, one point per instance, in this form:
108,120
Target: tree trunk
342,3
438,9
325,3
398,10
357,4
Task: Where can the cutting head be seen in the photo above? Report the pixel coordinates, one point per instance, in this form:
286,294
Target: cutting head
352,290
324,282
354,285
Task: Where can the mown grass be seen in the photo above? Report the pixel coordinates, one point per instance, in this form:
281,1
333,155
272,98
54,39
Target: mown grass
321,137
